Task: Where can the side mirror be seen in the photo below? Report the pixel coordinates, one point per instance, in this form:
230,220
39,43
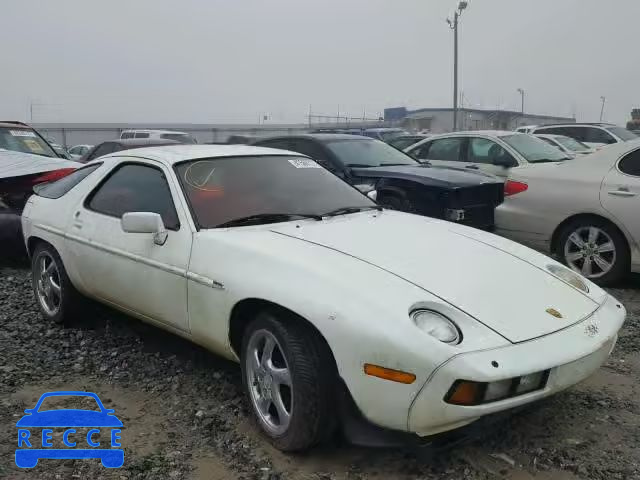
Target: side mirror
373,195
145,222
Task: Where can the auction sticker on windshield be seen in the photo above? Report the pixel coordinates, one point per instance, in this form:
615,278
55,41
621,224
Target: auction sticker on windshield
304,163
22,133
69,433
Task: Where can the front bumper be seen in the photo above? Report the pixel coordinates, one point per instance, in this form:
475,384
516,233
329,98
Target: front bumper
571,356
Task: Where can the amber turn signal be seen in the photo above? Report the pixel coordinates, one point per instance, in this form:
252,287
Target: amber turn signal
464,393
389,374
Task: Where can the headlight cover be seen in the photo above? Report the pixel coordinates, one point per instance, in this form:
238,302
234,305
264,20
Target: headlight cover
436,325
568,276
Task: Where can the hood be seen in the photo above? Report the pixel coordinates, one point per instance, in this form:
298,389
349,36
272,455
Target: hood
507,289
434,176
18,164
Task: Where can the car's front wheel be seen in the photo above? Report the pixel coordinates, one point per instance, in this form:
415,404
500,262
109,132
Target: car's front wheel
57,298
595,249
289,377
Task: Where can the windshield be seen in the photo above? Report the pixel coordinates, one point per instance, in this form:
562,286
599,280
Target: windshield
221,190
572,144
24,140
622,133
368,153
534,149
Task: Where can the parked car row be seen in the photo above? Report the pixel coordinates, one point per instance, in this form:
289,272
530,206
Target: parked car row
401,182
26,159
583,211
344,315
591,134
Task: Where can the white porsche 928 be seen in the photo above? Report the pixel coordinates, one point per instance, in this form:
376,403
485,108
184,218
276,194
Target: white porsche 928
418,325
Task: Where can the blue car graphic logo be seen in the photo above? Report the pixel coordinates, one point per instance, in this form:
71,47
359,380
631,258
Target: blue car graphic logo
29,452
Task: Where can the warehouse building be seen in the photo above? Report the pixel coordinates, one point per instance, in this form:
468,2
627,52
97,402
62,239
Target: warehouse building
440,120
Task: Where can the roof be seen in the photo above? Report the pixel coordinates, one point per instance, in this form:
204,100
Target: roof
172,154
12,124
486,133
384,129
320,136
143,141
577,124
549,135
152,130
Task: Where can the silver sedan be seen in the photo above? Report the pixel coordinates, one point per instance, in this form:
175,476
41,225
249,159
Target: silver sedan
586,213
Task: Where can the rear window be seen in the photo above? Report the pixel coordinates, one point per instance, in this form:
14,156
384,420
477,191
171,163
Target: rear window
60,187
622,133
24,140
534,149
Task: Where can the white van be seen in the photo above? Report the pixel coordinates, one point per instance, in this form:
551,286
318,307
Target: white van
181,137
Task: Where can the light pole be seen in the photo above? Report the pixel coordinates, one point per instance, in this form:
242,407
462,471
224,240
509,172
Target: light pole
521,92
604,100
453,24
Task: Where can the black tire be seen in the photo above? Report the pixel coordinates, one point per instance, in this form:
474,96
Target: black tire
312,372
71,302
395,202
621,264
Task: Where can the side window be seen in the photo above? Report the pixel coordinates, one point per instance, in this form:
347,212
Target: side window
135,188
141,135
631,164
126,135
482,150
598,135
104,149
447,149
60,187
550,131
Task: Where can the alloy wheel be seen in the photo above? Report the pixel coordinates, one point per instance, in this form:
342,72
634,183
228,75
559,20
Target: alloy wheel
269,381
590,251
48,285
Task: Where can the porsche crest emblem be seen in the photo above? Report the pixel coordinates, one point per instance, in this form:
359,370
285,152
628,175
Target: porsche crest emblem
554,312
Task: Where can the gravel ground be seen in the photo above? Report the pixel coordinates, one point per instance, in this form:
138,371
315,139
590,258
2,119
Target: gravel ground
185,415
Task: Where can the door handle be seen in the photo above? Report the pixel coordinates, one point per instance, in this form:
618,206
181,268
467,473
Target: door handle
473,167
621,193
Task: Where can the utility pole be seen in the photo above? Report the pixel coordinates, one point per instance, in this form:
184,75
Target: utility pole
453,24
604,100
521,92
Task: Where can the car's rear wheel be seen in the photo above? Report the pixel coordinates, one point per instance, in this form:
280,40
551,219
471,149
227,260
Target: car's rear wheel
57,298
595,249
289,377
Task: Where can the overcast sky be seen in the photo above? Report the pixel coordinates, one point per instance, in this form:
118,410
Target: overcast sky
231,61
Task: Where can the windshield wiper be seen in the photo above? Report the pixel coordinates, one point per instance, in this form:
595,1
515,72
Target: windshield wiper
396,164
360,165
347,210
266,218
